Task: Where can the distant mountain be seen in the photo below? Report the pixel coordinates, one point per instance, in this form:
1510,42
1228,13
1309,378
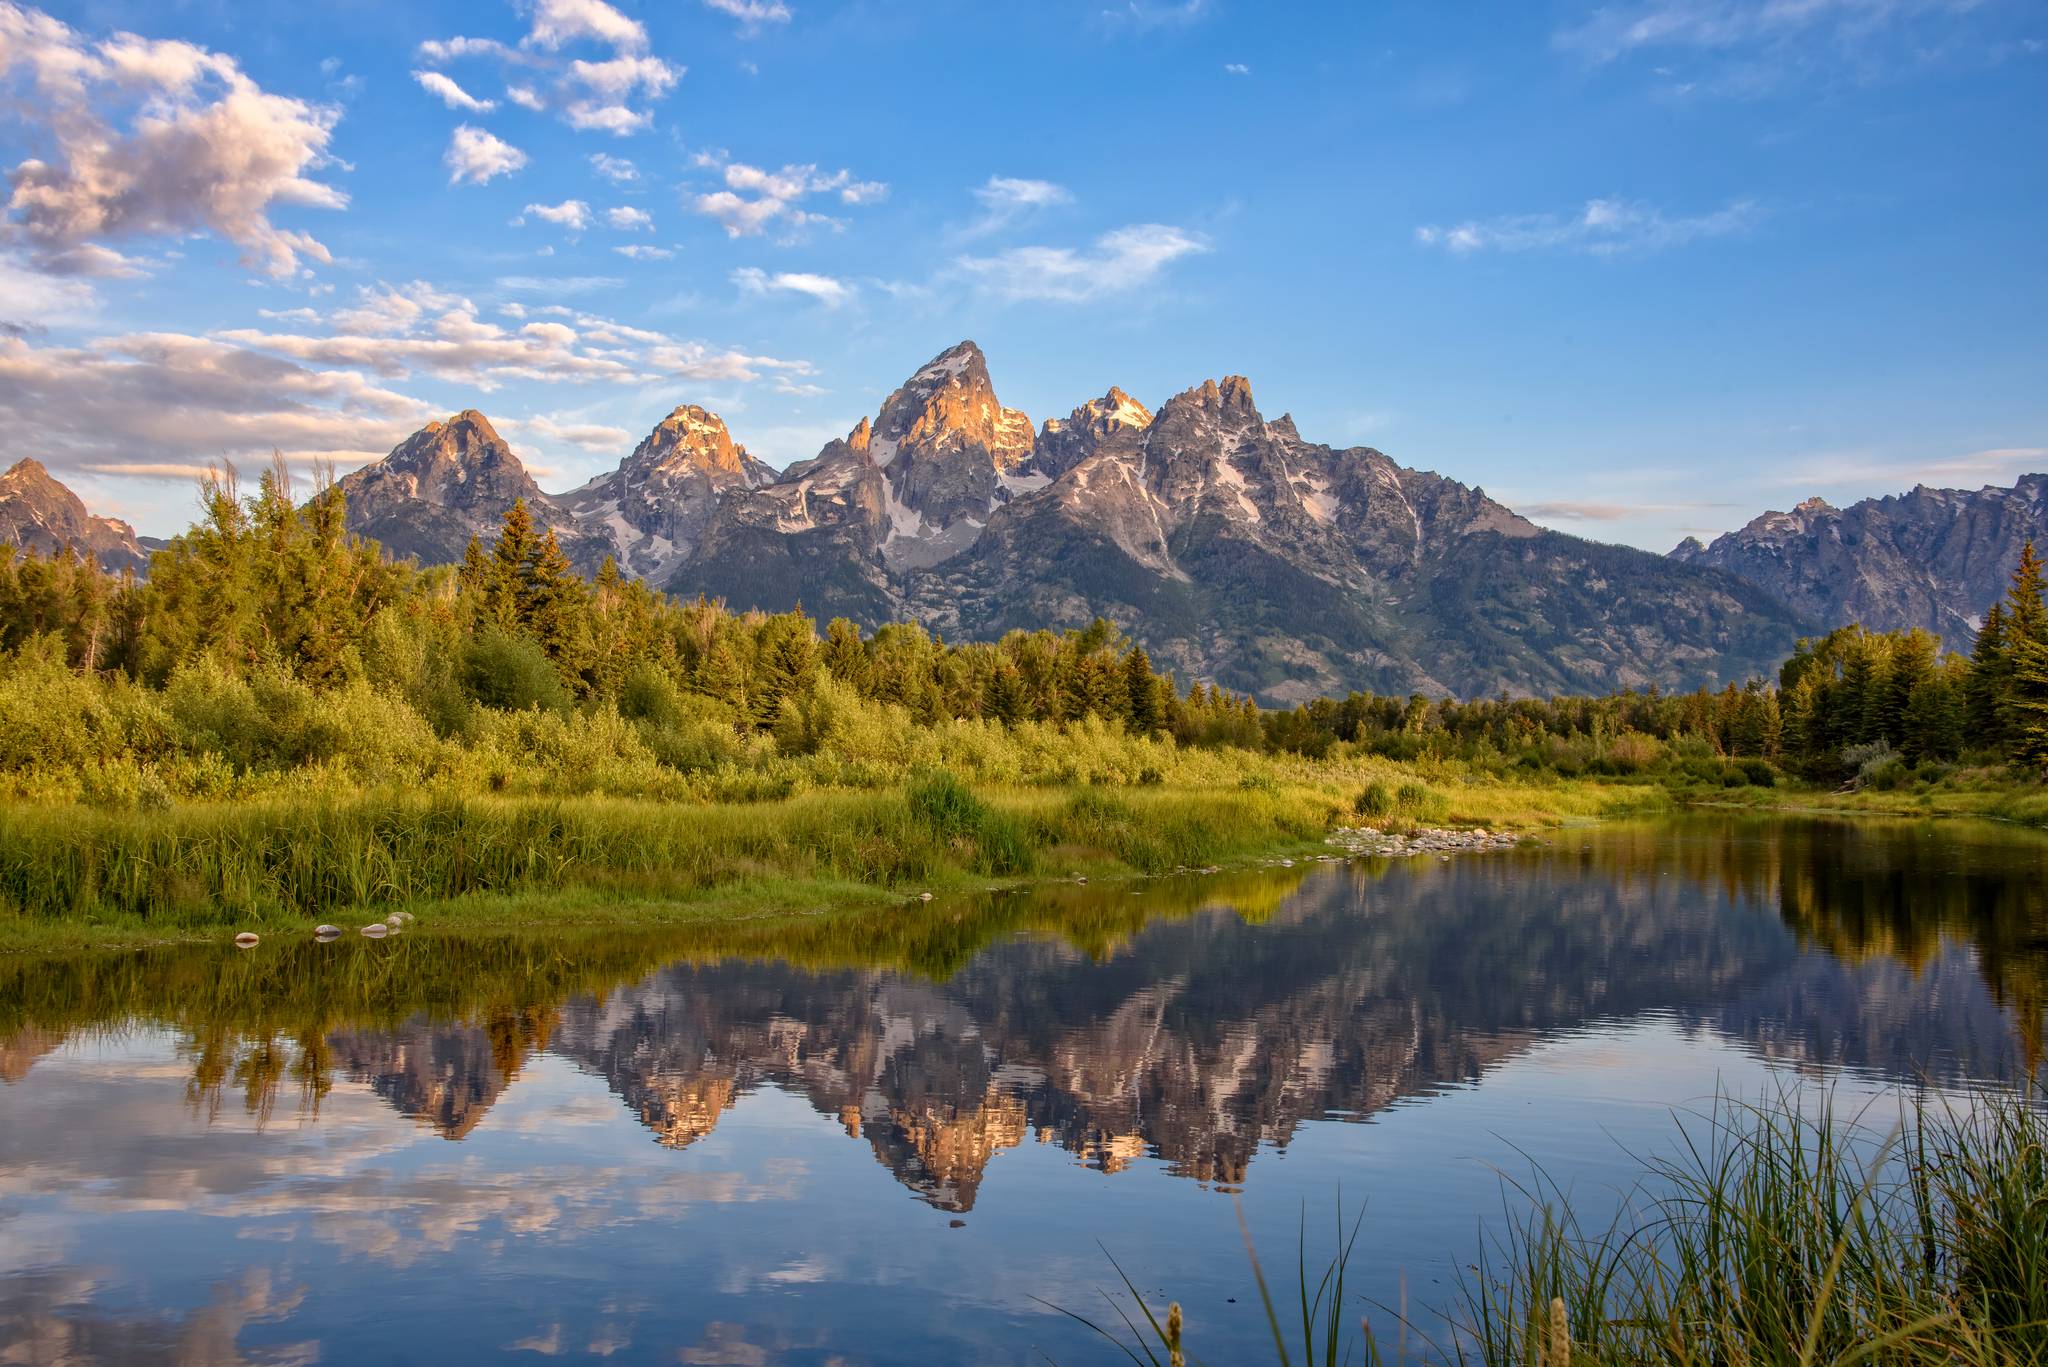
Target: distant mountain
445,483
1932,558
651,513
40,514
1232,548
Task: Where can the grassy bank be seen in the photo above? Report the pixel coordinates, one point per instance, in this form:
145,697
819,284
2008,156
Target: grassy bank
95,874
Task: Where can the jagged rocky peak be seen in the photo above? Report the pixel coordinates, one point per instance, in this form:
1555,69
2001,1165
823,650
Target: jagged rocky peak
1065,442
949,406
694,440
457,462
40,513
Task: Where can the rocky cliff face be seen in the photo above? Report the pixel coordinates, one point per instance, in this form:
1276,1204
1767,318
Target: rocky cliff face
37,513
653,510
1234,549
1932,558
445,483
1237,551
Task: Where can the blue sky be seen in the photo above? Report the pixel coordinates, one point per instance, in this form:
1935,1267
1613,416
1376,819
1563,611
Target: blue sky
1641,269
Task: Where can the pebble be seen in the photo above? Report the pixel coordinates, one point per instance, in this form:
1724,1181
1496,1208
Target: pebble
246,940
1398,845
376,930
394,922
326,932
924,897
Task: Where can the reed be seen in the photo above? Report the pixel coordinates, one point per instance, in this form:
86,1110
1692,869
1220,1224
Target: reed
281,862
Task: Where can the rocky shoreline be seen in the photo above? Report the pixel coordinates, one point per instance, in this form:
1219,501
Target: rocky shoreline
1370,840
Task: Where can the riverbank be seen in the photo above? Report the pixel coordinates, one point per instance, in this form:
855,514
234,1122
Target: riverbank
79,875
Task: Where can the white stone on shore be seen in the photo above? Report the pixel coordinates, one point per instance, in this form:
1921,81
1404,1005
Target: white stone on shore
246,940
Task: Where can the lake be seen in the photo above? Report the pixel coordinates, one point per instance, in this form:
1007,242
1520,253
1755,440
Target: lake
908,1141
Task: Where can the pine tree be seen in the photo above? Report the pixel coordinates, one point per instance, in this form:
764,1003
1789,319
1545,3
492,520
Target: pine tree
502,588
1141,687
2025,702
1005,699
1984,691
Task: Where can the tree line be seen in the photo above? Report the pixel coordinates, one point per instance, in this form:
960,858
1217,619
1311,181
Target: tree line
264,584
1844,705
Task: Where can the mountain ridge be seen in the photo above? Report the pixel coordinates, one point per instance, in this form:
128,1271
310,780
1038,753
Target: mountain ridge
1234,549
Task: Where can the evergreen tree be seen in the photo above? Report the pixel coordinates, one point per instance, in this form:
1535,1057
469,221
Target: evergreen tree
2024,712
1141,688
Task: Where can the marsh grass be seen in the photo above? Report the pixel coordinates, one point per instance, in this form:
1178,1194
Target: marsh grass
1785,1233
284,862
1779,1234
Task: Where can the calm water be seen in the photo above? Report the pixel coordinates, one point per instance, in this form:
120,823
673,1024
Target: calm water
802,1147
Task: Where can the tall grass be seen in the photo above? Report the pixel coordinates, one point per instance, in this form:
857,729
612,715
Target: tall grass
280,861
1783,1233
1780,1235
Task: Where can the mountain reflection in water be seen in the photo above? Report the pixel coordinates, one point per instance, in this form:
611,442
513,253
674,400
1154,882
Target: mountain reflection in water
1192,1020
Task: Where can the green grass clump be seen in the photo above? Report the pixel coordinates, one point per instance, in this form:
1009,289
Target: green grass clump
1785,1234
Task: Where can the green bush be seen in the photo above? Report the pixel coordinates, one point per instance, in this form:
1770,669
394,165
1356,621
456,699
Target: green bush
508,671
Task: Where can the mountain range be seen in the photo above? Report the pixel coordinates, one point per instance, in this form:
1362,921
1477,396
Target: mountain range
1233,548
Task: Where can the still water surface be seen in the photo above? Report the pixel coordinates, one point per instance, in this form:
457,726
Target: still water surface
772,1146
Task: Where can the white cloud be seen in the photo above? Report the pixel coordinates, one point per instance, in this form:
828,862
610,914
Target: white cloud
572,214
156,138
752,14
617,170
451,94
640,251
1236,69
556,22
823,288
628,219
1116,263
1005,200
167,405
477,156
1604,227
31,301
596,438
607,95
439,50
754,198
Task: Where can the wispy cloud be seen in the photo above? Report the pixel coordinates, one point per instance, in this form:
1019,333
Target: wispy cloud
617,170
597,438
641,251
1569,510
1842,470
752,14
444,88
1604,227
1008,200
628,219
1115,263
1748,47
1147,14
823,288
1236,69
